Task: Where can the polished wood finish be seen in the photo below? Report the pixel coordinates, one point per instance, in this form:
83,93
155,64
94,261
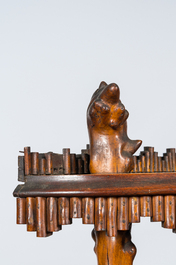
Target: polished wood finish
64,211
134,210
66,161
88,210
60,187
42,166
110,152
169,212
73,164
27,160
49,164
75,207
41,217
112,217
122,216
110,148
114,250
158,209
21,210
98,185
52,215
35,163
31,214
100,214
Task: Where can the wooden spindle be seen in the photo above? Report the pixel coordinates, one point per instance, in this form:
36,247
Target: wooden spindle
42,165
145,206
122,216
41,216
151,157
31,213
73,164
142,156
134,210
112,217
35,163
66,161
135,169
155,157
157,201
139,164
169,212
159,164
100,214
49,164
158,209
88,210
52,215
75,207
85,158
80,166
64,211
21,210
145,201
172,152
27,161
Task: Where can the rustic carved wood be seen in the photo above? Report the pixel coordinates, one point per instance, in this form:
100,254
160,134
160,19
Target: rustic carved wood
114,192
110,148
110,152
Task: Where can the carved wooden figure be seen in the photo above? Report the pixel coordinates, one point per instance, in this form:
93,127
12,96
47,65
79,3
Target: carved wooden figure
111,151
105,184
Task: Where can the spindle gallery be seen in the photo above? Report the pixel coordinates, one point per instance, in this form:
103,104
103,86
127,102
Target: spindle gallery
105,185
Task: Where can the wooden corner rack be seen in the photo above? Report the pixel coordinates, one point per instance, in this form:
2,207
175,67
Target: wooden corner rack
106,185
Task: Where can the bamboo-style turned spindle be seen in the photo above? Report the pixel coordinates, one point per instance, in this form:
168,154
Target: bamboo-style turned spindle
145,206
173,157
66,161
122,216
157,201
73,163
88,210
169,212
159,164
49,164
41,216
145,201
112,216
80,166
31,214
85,158
42,165
64,211
158,209
21,210
75,207
134,202
135,169
52,215
35,163
27,161
100,214
134,210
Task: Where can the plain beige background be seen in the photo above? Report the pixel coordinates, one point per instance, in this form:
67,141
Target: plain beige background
53,55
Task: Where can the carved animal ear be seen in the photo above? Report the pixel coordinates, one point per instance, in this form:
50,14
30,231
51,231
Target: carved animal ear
102,85
99,90
110,94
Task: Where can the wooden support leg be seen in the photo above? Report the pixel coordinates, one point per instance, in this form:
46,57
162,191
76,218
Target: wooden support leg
118,250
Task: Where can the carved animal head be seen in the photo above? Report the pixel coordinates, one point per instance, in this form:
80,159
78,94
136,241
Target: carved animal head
105,110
